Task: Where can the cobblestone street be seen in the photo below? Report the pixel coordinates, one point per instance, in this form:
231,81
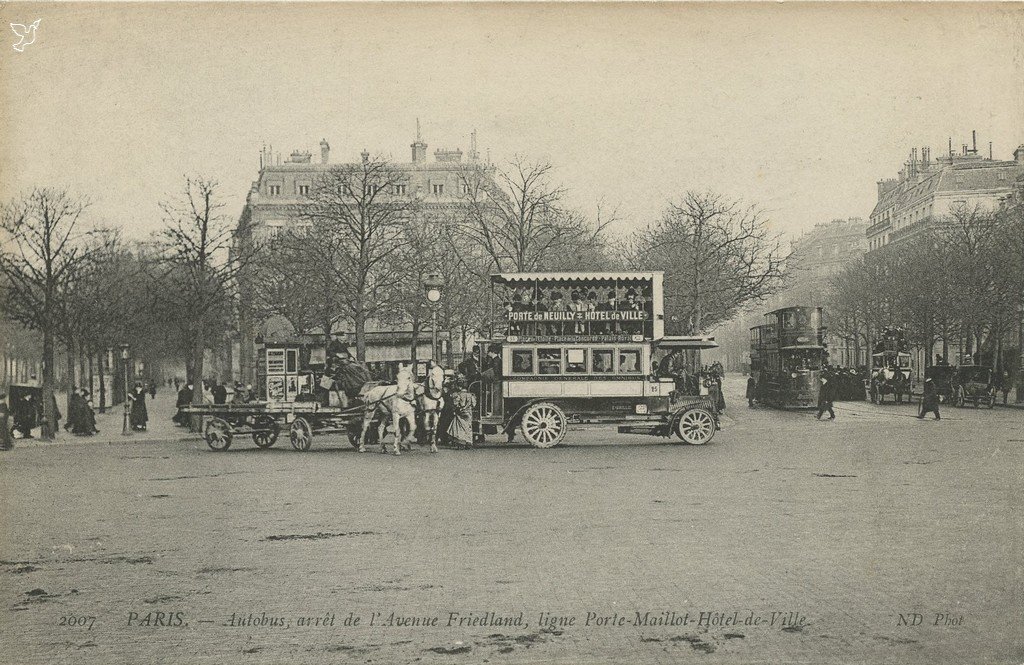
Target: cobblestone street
827,535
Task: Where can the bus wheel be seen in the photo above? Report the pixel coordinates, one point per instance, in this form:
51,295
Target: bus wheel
218,434
543,425
696,426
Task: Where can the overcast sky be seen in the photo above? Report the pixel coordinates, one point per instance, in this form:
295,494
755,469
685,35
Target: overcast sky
799,108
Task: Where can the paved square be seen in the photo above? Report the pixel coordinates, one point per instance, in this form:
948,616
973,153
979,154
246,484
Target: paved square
826,535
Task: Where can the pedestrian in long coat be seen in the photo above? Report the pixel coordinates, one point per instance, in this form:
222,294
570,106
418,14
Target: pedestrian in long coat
751,390
139,415
930,400
460,429
825,396
83,420
6,442
184,399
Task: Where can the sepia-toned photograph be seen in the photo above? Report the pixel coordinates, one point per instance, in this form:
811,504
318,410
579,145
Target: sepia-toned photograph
442,333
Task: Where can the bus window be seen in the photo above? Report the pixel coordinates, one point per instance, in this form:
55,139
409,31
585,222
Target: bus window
603,359
629,361
575,361
522,361
549,361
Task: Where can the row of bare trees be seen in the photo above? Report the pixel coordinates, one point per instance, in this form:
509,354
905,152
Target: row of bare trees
958,284
84,289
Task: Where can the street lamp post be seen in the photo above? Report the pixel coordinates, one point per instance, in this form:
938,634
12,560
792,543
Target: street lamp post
433,286
125,429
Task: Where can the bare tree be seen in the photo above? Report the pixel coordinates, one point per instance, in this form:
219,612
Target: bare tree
517,214
40,255
717,254
197,280
351,230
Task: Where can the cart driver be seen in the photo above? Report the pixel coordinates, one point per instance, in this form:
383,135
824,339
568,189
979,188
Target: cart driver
349,378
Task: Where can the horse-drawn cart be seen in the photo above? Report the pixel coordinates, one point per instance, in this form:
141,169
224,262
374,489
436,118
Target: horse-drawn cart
265,421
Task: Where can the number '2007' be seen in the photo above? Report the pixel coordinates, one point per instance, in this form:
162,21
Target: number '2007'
79,622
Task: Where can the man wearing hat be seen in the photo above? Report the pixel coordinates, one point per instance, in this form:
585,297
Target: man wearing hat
930,400
825,397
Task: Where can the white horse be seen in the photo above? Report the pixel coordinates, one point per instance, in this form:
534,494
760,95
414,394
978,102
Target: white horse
395,403
430,402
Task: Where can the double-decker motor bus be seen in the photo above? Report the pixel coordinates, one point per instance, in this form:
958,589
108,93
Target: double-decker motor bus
583,348
786,357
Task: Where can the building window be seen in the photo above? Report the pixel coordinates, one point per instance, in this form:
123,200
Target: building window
1002,175
275,190
438,188
400,190
303,190
465,188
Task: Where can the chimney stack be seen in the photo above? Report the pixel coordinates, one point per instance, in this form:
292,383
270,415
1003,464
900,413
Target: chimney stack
990,150
325,151
419,148
974,142
926,158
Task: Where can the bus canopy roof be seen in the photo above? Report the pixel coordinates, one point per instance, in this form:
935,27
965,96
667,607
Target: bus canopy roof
513,277
686,342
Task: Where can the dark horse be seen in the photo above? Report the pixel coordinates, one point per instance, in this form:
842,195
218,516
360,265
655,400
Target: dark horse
889,381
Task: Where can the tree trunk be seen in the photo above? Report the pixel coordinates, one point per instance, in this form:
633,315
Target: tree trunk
100,356
47,428
414,350
360,325
198,348
71,381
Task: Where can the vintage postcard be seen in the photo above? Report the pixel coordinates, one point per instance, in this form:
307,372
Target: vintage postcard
442,333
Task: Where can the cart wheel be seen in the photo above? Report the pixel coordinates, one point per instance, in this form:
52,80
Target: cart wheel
301,434
696,426
218,434
268,436
543,425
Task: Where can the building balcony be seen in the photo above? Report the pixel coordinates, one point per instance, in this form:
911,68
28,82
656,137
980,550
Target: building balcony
875,229
910,230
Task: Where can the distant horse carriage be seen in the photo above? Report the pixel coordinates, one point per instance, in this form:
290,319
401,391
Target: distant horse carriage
891,370
974,384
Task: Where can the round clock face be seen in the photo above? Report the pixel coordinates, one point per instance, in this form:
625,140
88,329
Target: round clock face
433,295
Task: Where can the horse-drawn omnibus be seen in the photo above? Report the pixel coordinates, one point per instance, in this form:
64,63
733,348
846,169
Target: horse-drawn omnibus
786,357
582,348
891,370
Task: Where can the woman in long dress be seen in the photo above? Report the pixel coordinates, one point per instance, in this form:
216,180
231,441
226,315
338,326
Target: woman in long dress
460,429
139,415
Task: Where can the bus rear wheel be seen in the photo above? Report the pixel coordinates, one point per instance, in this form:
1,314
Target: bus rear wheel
543,425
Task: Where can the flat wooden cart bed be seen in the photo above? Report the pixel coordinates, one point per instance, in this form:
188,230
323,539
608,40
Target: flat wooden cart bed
266,420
